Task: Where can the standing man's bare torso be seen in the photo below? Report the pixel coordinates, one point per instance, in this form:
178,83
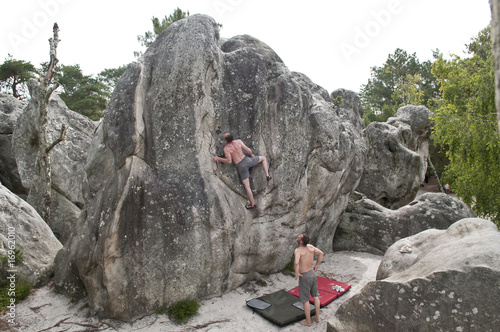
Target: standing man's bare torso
306,258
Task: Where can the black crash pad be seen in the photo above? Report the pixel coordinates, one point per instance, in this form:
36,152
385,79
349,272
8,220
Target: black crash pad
281,310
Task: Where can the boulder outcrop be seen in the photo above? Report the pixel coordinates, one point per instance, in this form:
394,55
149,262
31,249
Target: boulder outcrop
448,281
369,227
397,157
163,221
22,228
67,160
10,109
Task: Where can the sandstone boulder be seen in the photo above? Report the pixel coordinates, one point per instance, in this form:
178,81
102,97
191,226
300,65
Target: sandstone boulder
369,227
163,221
448,282
397,157
10,109
21,227
67,159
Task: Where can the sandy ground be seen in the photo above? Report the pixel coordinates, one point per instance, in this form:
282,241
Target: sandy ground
45,310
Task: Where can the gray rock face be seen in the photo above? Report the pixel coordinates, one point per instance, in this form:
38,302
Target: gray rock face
397,155
164,222
350,107
67,159
21,227
369,227
448,282
10,109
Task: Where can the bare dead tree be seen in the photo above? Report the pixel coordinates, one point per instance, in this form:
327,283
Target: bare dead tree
46,88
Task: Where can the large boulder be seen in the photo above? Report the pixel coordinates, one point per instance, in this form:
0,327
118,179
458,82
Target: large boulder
22,228
10,109
163,221
67,159
448,281
397,157
369,227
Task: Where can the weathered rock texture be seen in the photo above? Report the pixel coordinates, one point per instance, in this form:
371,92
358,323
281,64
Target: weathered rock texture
164,222
67,161
10,109
369,227
21,227
397,157
448,282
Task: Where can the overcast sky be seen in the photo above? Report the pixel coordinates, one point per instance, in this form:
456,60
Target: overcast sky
333,42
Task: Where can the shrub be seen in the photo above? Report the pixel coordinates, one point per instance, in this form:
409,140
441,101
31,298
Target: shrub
22,290
22,287
183,310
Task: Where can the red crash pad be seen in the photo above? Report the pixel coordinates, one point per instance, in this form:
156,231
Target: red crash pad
329,290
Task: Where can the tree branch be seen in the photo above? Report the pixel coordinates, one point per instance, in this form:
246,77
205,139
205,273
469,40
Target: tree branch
49,92
57,141
55,325
54,41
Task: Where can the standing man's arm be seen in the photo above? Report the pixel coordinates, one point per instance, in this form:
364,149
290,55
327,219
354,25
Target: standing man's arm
226,160
320,258
296,264
246,148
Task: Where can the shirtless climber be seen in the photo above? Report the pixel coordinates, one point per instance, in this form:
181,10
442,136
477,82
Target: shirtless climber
233,151
308,282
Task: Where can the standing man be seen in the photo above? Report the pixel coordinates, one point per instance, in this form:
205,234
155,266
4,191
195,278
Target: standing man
308,282
233,151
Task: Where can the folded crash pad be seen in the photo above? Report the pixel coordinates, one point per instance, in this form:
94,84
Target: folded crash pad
329,290
281,309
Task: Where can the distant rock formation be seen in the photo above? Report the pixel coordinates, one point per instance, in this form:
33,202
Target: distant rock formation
68,160
21,227
163,221
369,227
437,280
10,109
397,157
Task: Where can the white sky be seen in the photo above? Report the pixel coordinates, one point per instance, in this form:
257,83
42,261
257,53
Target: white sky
333,42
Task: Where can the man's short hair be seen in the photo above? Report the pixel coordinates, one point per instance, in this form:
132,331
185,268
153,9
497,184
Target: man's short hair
305,239
228,137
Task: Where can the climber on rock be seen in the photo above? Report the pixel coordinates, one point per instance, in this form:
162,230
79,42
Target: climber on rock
233,152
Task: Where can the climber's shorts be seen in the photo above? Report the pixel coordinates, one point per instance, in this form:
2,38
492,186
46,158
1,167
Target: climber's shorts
308,285
245,164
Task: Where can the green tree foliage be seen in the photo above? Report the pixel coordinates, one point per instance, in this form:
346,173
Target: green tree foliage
14,74
465,123
110,77
81,93
158,27
402,80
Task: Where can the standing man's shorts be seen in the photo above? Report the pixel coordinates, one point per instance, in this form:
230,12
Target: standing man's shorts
308,285
245,164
